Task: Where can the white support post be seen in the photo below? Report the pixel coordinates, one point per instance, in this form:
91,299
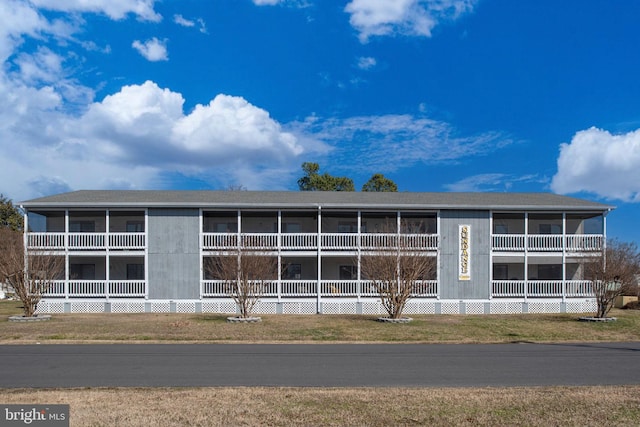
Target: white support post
201,250
66,254
319,257
438,259
526,255
279,240
107,260
564,256
491,255
146,253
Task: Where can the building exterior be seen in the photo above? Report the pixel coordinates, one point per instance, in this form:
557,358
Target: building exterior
145,251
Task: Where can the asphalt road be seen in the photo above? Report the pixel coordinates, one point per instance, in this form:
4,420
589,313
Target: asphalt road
320,365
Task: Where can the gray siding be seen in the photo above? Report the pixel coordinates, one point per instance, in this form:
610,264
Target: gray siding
479,286
174,254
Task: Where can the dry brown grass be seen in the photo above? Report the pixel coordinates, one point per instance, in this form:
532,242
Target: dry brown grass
548,406
174,327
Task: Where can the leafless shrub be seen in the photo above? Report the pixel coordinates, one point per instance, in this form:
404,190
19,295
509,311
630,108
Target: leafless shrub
613,273
245,275
396,272
30,274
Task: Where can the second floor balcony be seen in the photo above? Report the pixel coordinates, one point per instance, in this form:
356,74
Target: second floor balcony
547,242
314,241
86,241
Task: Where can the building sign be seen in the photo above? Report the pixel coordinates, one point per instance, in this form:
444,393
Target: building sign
464,261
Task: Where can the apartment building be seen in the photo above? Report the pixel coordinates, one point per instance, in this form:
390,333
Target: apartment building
146,251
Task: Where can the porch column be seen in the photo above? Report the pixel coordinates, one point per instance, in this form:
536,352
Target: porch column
319,257
66,254
526,255
564,256
107,260
279,243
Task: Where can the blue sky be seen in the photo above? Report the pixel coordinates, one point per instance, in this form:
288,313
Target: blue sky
438,95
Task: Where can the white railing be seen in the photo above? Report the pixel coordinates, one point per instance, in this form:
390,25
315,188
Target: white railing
46,240
378,241
219,240
584,242
55,289
220,288
338,288
299,288
545,288
339,241
309,241
328,288
87,288
548,242
544,242
422,288
88,241
96,288
579,288
541,288
298,241
426,288
214,288
421,241
127,240
259,240
508,242
507,288
127,288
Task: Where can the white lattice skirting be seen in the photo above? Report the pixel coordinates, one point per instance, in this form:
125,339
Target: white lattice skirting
371,306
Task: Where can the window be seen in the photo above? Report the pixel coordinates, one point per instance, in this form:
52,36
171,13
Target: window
135,226
82,226
291,271
348,272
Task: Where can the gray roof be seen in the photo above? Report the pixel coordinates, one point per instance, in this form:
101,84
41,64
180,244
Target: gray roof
311,199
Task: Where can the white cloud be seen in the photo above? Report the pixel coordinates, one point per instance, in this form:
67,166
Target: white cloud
114,9
43,66
266,2
366,62
19,19
491,182
599,162
181,20
390,142
408,17
301,4
152,49
54,137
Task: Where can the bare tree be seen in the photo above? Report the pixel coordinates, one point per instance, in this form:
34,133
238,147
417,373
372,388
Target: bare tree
245,275
397,272
30,273
613,274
